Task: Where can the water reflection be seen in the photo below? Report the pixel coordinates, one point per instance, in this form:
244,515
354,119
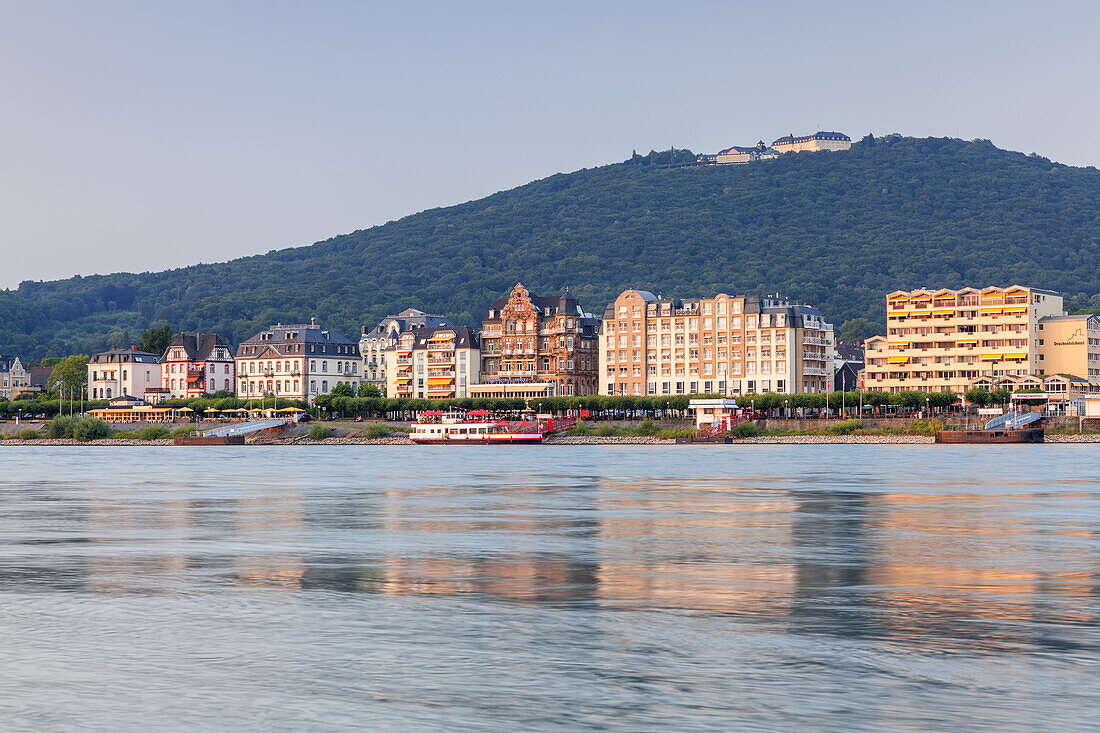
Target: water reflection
789,551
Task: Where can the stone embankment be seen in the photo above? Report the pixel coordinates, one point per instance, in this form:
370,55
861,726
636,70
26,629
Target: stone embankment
102,441
1082,438
607,440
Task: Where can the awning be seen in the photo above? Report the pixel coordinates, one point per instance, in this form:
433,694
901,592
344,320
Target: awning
991,357
992,295
1016,309
440,380
899,344
966,341
403,380
943,311
991,310
898,359
1016,356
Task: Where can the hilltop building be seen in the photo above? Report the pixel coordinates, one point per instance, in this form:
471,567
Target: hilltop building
534,340
951,340
433,362
122,373
373,343
812,143
196,364
297,362
726,345
738,154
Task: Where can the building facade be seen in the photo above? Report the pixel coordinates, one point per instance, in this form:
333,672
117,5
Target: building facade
545,340
738,154
433,362
373,343
726,345
946,340
812,143
14,378
297,362
122,372
196,364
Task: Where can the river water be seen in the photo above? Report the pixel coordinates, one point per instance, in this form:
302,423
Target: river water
835,587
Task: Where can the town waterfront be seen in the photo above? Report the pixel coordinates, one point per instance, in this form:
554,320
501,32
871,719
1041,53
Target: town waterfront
843,587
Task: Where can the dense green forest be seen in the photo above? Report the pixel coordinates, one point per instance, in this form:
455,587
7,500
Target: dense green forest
836,230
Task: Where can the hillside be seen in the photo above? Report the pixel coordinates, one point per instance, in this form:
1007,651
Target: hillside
837,230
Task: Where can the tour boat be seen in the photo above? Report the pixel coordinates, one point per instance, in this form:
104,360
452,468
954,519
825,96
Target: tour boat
477,427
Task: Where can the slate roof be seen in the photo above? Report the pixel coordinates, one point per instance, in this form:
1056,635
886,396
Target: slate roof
124,356
197,347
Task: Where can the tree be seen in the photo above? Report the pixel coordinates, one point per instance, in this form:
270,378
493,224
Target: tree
72,371
858,329
156,339
369,390
342,390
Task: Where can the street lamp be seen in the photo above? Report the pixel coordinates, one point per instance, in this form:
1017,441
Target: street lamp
786,409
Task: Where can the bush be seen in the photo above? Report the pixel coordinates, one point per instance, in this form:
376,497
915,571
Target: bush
90,429
845,427
604,430
648,427
745,429
317,431
28,434
920,427
376,430
183,430
152,432
59,427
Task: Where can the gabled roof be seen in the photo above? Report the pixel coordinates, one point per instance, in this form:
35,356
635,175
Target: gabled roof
197,346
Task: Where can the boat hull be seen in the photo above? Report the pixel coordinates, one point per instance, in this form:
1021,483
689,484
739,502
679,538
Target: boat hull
1026,435
499,439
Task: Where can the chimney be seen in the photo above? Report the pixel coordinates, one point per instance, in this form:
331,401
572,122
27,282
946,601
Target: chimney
312,321
364,331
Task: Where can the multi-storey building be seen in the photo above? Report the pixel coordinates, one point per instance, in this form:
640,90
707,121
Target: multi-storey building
812,143
298,362
122,372
372,344
946,340
527,339
722,345
196,364
14,378
433,362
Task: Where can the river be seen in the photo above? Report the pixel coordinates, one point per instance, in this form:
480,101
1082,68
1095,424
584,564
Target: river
565,588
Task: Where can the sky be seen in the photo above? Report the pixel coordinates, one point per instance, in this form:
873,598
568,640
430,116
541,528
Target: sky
140,136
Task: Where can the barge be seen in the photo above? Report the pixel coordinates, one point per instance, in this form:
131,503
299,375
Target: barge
1023,435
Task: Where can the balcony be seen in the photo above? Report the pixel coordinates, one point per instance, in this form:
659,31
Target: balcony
813,355
404,362
816,371
814,341
440,360
516,373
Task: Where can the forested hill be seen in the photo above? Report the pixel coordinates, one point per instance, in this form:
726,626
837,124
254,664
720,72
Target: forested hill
837,230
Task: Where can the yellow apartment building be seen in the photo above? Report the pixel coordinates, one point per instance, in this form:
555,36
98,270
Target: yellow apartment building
727,345
946,340
433,362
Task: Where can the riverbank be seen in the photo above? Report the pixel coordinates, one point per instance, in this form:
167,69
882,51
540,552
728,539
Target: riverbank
572,440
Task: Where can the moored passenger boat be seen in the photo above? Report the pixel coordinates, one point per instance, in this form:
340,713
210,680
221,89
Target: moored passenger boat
477,427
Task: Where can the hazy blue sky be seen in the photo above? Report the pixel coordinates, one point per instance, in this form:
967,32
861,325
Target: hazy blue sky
142,135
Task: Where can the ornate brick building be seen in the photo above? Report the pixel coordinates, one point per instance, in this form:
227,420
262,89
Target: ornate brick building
530,339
